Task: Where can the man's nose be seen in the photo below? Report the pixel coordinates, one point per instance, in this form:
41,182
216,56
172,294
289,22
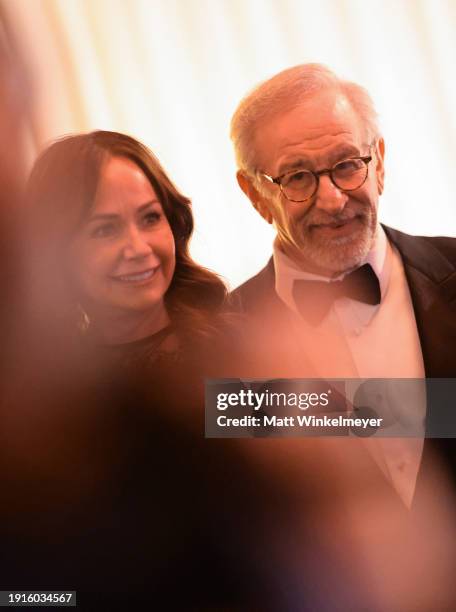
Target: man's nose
329,197
136,244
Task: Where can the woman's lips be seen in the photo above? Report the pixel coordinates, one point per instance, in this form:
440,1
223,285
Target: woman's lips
136,277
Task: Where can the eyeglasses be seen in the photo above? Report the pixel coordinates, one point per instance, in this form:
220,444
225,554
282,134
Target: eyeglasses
301,185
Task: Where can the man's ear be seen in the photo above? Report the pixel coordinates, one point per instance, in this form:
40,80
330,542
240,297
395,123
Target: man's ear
380,165
258,201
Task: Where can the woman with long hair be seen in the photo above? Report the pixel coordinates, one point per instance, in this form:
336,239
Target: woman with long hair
110,248
104,422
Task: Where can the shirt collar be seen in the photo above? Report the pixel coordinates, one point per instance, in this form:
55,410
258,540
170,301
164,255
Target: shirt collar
287,271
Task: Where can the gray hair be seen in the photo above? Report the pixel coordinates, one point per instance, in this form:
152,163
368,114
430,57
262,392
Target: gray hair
283,92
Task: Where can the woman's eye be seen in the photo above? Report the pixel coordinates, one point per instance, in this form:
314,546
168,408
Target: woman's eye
104,231
152,218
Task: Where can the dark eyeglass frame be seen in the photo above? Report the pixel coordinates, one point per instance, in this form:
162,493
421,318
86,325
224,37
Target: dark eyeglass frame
278,179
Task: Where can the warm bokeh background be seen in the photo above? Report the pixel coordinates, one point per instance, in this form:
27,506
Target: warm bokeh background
171,72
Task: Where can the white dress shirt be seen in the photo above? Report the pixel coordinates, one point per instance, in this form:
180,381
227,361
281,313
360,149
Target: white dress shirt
357,340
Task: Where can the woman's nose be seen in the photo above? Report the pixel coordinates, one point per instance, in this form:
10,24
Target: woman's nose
136,245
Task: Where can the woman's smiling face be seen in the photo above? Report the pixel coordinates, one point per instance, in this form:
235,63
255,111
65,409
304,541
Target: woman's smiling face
122,259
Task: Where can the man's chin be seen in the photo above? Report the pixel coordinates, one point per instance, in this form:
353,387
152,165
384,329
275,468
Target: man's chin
338,254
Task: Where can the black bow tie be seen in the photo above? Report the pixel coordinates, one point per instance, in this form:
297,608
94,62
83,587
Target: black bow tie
314,298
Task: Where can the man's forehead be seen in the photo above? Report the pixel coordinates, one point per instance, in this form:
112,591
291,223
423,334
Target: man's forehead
316,130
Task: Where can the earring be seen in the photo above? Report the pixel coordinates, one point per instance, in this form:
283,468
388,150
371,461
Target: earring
83,321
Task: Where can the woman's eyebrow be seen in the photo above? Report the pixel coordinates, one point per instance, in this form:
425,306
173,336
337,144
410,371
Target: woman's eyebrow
103,217
111,216
146,205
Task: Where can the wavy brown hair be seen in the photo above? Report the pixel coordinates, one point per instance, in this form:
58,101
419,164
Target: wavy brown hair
61,192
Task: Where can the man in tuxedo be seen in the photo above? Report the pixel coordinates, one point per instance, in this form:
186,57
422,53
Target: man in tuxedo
342,295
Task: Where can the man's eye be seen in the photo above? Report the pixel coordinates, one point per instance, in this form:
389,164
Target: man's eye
297,179
104,231
348,166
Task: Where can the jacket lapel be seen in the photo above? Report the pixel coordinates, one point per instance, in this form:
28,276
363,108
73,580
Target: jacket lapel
432,283
279,353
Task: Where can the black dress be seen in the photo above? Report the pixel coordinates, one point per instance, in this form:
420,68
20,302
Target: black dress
121,498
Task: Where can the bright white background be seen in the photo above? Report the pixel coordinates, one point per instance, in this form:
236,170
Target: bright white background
171,72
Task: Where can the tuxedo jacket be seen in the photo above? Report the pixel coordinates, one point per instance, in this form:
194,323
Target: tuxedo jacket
430,269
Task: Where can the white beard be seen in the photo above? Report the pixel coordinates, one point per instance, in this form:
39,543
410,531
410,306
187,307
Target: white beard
334,255
340,254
